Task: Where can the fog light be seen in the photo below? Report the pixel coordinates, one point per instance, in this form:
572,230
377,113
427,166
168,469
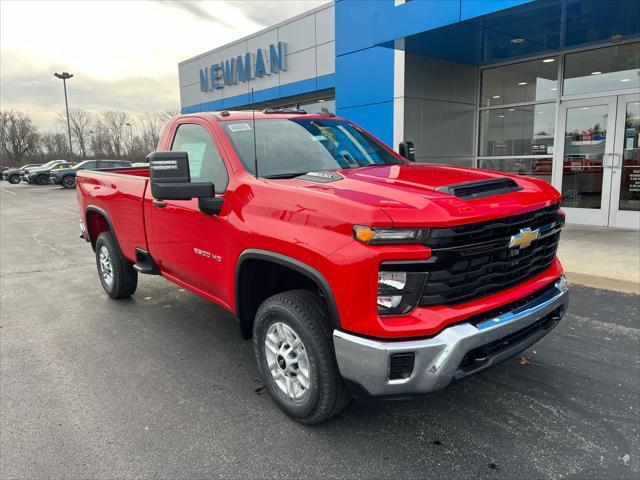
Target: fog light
396,280
386,301
398,291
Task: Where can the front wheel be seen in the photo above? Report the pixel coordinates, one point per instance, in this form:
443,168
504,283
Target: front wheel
14,179
293,345
69,181
117,275
42,180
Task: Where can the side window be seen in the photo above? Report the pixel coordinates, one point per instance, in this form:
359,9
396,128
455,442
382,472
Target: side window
205,162
89,166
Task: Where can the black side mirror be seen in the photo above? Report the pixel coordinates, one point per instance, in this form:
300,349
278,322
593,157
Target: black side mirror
406,150
171,180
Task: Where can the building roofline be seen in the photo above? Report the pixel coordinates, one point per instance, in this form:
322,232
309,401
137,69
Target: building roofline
259,32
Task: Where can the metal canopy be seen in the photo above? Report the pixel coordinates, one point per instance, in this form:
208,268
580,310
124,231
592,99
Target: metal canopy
535,28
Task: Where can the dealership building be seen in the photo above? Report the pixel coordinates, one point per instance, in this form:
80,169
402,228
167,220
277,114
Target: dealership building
544,88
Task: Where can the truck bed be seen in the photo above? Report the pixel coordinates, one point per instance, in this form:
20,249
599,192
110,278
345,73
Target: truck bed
117,193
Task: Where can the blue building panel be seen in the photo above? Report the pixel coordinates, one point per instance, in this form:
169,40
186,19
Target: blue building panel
376,118
364,77
413,17
310,85
474,8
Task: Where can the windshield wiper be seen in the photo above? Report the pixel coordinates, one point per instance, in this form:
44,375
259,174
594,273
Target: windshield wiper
284,175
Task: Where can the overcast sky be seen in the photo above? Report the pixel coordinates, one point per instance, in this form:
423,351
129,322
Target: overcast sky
124,54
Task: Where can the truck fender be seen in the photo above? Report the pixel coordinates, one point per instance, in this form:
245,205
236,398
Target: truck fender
302,268
100,211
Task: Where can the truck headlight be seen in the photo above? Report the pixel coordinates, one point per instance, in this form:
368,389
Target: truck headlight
398,290
389,236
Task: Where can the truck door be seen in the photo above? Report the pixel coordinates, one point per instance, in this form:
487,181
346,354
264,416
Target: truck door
188,245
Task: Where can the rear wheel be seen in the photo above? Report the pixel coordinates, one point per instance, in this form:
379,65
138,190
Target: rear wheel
14,179
117,275
293,345
42,180
69,181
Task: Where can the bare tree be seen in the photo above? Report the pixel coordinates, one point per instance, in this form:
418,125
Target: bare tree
150,126
54,145
112,125
103,135
81,124
19,137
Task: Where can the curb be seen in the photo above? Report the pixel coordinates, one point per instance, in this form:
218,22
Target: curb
603,282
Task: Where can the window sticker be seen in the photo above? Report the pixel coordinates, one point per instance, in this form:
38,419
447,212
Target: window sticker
196,153
239,127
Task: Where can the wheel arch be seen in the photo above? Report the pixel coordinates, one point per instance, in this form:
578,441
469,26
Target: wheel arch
248,297
97,221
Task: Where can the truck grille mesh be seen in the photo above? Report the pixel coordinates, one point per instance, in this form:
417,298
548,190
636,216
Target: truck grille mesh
474,260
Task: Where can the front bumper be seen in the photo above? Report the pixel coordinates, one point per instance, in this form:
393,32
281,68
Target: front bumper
455,353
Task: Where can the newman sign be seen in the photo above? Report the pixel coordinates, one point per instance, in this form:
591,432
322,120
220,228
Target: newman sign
243,68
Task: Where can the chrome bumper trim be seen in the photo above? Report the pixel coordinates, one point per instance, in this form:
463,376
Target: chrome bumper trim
437,359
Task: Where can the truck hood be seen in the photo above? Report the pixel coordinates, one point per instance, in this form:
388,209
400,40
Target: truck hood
409,193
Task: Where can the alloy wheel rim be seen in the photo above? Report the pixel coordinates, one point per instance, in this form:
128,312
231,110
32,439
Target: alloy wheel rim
287,360
105,266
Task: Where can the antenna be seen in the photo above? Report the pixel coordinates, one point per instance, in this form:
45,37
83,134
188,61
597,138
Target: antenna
255,144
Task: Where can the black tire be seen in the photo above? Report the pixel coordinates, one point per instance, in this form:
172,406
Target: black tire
124,279
14,179
42,180
69,182
306,313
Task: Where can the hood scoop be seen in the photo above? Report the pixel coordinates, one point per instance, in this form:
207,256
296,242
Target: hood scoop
482,188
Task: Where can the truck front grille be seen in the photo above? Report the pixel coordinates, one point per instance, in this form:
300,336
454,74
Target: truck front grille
474,260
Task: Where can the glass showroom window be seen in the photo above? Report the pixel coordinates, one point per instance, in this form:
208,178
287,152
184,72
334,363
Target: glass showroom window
517,117
526,82
602,70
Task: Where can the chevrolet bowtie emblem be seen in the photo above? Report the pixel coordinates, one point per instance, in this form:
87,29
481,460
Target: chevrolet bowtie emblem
524,238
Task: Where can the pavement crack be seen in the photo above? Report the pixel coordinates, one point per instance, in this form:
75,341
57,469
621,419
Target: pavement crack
41,270
45,244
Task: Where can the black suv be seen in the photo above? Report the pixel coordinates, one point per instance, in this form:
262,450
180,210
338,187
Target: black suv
67,176
12,175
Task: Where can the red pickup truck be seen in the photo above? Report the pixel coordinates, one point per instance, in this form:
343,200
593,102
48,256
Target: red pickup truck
355,271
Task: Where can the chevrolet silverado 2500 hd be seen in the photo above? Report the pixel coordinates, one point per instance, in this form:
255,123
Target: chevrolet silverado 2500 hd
354,270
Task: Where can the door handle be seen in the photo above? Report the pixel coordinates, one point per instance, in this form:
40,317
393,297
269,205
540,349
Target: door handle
604,163
617,160
159,203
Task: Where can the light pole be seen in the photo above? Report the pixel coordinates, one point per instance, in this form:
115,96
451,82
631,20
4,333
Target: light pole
64,76
93,142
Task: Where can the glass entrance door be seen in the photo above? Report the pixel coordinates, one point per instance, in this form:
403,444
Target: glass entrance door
584,161
597,166
625,181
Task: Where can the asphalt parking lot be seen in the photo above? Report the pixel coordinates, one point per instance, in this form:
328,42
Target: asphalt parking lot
162,385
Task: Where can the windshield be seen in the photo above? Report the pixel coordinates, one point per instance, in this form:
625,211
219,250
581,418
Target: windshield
80,165
48,164
291,147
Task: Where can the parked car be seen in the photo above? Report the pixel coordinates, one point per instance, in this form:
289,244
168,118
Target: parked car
40,175
13,175
355,271
67,176
2,170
